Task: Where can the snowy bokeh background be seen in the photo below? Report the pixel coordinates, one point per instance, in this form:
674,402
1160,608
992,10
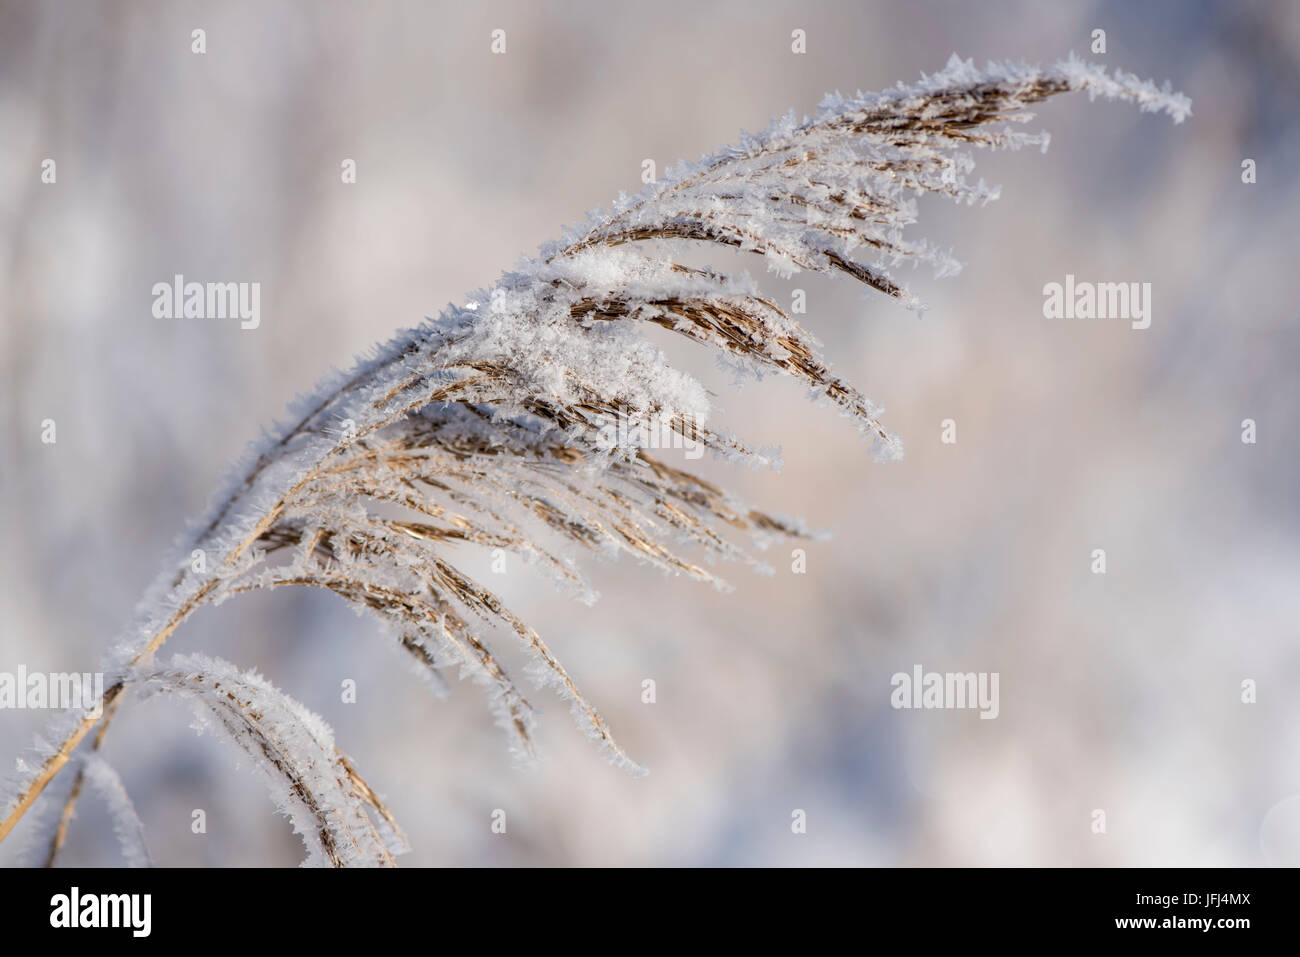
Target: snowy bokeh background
1118,692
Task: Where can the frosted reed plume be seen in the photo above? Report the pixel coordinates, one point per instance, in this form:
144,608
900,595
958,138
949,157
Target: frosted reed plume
489,426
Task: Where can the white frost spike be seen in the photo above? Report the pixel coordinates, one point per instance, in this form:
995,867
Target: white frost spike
126,823
312,782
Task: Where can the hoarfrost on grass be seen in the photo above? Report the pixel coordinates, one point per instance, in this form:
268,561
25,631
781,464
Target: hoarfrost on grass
487,426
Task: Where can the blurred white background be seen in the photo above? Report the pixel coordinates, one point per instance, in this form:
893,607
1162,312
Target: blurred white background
1118,692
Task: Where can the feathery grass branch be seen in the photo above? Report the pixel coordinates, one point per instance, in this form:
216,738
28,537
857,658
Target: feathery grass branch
503,422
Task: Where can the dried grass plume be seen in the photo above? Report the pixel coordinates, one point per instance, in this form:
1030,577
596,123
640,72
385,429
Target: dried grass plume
491,426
